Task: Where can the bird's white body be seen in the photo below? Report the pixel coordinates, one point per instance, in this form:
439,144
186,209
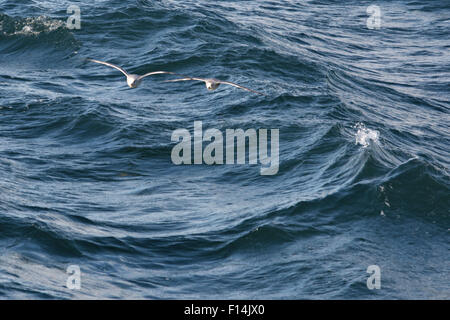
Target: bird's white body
212,84
133,80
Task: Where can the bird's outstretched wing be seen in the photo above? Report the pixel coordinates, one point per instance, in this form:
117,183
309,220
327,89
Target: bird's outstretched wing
154,72
186,79
241,87
110,65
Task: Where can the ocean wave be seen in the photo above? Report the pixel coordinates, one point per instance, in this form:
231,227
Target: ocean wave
86,175
30,26
19,35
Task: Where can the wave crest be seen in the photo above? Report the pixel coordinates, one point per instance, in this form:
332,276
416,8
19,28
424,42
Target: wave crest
30,26
364,136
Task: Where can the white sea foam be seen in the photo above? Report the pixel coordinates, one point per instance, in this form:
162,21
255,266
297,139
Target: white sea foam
364,136
36,25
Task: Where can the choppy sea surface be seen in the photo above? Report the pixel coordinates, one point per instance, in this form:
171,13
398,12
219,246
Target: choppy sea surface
87,180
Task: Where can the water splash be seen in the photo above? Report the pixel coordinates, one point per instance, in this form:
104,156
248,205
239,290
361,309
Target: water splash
30,26
364,136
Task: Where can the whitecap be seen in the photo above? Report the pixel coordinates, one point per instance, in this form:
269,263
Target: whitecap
364,136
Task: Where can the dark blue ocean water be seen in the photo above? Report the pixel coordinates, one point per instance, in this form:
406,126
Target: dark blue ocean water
86,176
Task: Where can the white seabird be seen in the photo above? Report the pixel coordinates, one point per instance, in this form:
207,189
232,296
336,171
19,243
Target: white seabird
133,80
213,84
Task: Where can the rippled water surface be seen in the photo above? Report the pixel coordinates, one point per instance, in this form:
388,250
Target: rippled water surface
86,176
